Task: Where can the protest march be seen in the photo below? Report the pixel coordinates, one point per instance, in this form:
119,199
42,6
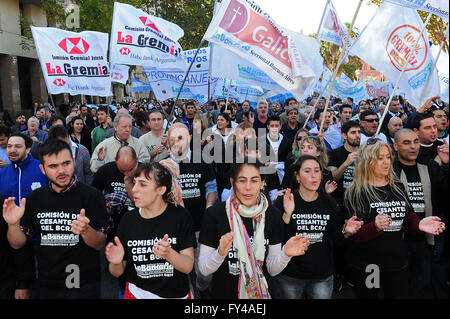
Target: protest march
253,166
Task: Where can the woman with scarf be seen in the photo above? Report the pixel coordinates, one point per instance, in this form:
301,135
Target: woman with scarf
154,245
240,239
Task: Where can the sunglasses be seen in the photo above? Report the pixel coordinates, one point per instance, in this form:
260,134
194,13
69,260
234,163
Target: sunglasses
373,140
371,120
299,138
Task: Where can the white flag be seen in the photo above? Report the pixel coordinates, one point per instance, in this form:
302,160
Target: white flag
437,7
385,45
242,27
73,63
119,73
442,69
330,28
138,38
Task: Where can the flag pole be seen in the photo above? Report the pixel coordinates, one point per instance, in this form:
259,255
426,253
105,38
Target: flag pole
341,58
401,74
315,104
424,91
182,85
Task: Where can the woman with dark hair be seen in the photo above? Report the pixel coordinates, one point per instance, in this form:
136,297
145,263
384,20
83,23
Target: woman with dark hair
311,213
377,197
154,245
80,133
240,240
224,128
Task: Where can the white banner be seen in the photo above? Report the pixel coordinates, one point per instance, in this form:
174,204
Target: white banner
239,91
138,38
242,27
377,89
437,7
73,63
442,69
357,92
119,73
166,83
384,44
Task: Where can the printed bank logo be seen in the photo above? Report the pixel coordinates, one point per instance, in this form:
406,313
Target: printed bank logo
235,18
59,82
255,30
371,90
74,45
149,23
116,76
400,48
124,51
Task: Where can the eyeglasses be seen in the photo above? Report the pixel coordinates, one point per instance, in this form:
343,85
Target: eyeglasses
373,140
371,120
299,138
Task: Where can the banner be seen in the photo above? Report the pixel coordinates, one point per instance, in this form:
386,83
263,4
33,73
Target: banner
242,27
166,83
119,73
239,91
442,69
140,86
437,7
377,89
138,38
357,92
73,63
384,44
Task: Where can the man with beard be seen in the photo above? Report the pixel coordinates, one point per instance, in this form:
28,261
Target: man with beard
198,184
21,124
426,185
68,219
23,175
368,121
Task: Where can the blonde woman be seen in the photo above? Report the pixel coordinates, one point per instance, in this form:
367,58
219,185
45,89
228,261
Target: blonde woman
378,199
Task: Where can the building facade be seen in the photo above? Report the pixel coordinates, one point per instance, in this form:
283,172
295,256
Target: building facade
21,80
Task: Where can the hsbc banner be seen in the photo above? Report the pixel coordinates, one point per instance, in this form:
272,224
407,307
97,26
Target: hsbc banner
138,38
242,27
166,82
73,63
119,73
377,89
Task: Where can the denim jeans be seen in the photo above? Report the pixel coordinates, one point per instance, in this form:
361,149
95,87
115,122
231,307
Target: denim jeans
286,287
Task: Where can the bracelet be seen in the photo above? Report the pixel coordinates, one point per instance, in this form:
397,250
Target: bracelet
345,233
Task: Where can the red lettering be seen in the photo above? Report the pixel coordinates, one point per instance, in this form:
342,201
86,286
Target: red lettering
124,39
50,70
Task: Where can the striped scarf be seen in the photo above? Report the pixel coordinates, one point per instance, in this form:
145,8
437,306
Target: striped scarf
252,284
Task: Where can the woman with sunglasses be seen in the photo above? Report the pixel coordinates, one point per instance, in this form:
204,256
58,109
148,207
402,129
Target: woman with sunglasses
377,255
154,245
311,213
240,240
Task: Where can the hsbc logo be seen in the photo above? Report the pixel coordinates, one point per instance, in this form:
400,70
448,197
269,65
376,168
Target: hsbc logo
147,22
59,82
116,76
74,45
124,51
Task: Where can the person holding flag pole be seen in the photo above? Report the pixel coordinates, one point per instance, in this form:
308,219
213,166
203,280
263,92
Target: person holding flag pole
403,71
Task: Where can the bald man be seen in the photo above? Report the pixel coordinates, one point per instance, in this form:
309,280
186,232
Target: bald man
394,125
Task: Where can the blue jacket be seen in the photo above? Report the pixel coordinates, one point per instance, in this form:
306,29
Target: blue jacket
18,180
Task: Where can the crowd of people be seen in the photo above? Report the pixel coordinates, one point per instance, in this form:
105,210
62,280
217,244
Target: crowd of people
293,200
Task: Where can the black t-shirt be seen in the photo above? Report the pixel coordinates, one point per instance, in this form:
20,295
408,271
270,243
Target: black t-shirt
321,222
427,153
138,236
215,224
50,215
337,157
387,250
193,178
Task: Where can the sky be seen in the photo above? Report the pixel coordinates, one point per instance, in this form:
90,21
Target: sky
305,15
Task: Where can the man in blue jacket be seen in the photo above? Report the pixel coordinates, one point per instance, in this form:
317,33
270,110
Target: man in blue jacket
23,175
